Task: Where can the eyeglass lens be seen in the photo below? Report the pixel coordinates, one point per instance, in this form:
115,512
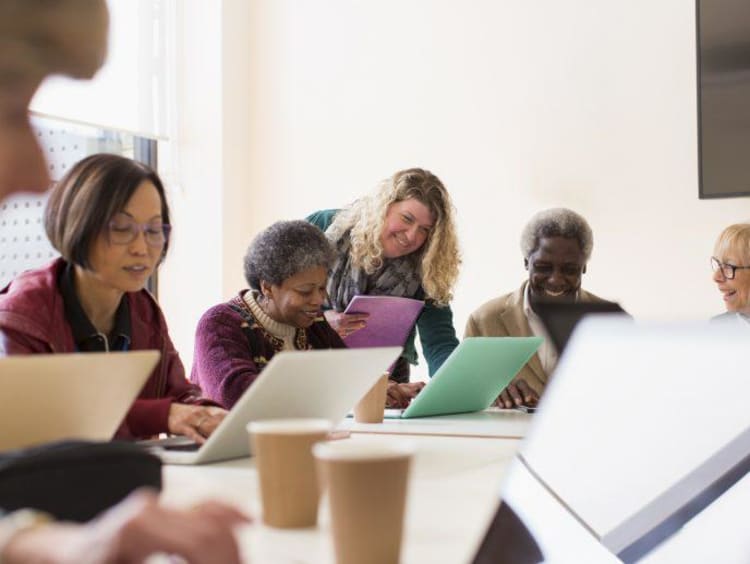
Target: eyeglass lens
726,269
124,232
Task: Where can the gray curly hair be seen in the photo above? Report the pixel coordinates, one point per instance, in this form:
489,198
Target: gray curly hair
557,222
285,249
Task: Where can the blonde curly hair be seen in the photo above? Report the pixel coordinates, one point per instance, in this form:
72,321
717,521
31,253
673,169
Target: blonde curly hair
440,256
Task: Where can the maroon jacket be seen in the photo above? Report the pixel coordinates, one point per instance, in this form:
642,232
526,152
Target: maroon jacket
232,348
32,320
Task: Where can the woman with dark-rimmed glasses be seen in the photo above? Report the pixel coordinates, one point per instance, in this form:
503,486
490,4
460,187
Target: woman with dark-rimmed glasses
731,267
109,219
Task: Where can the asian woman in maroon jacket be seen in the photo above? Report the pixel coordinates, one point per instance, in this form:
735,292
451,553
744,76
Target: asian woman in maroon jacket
109,219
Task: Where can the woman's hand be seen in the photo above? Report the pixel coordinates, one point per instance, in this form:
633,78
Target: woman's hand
194,421
400,395
131,531
345,323
517,393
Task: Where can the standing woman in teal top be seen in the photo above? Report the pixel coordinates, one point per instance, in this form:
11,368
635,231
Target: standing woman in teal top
399,240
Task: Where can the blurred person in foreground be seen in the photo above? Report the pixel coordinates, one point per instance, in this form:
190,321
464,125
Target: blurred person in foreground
39,38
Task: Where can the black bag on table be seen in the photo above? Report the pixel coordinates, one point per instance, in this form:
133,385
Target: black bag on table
75,480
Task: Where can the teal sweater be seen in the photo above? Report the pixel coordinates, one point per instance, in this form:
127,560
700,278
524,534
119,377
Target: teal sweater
435,324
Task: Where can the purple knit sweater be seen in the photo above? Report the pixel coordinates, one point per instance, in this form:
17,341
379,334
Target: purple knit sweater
231,349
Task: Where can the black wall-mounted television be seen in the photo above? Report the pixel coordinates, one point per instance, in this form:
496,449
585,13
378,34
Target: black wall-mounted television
723,39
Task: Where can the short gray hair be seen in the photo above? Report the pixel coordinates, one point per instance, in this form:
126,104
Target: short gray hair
557,222
284,249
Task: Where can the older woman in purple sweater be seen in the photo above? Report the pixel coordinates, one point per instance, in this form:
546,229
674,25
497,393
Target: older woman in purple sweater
286,268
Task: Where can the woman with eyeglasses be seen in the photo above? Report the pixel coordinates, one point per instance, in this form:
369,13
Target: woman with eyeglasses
109,219
731,266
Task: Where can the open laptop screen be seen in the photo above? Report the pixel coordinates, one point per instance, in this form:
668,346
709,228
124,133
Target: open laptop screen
560,318
643,465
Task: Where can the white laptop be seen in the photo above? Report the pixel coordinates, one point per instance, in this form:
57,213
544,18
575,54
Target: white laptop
642,440
318,383
49,397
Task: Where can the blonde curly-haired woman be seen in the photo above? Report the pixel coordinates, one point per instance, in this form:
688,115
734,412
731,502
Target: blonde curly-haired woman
399,240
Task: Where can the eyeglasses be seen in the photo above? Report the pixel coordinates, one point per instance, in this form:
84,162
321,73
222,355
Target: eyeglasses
124,232
728,270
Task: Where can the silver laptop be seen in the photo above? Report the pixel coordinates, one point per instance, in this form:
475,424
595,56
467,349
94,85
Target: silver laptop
320,383
49,397
643,439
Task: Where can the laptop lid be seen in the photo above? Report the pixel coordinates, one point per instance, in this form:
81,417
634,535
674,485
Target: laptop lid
49,397
652,425
560,318
315,383
470,379
507,541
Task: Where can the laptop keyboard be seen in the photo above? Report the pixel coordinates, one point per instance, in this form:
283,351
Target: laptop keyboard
171,443
190,447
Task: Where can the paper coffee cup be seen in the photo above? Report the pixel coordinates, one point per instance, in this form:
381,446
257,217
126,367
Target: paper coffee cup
367,485
286,469
371,407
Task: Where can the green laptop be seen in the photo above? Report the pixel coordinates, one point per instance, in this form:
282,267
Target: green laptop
471,377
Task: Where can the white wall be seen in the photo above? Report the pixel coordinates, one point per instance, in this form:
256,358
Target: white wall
206,163
190,279
516,106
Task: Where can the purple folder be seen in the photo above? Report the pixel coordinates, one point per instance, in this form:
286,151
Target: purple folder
390,322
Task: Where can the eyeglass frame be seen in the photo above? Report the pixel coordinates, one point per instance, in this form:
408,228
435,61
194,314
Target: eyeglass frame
135,228
717,265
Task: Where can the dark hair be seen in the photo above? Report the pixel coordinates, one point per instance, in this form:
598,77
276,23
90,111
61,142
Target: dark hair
285,249
86,199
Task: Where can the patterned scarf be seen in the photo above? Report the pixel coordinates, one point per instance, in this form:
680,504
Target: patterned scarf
397,277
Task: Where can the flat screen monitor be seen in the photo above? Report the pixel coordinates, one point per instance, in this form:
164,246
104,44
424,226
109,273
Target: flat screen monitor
723,39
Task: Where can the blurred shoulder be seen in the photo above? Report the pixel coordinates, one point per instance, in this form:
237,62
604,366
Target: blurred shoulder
322,218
